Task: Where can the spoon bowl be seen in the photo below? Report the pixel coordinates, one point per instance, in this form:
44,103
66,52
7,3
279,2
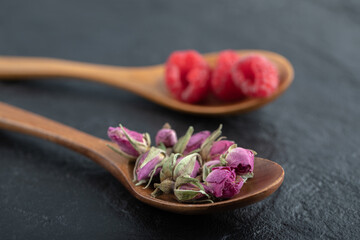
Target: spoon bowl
147,82
268,175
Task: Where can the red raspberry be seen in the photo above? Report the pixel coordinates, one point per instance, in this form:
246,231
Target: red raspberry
222,83
256,76
187,76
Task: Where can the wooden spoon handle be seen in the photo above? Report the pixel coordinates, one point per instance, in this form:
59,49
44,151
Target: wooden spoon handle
15,119
135,79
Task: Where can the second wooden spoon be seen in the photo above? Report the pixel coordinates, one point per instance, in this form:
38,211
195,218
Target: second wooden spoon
144,81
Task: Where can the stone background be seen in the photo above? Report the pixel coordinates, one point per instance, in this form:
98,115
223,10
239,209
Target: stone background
49,192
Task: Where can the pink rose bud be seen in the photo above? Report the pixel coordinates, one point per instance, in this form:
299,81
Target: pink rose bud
131,143
240,159
167,136
223,183
187,166
148,165
196,141
218,148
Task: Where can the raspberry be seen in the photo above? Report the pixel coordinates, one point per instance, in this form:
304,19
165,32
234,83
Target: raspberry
187,76
222,83
256,76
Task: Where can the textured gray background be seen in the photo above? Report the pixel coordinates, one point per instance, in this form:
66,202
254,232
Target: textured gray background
48,192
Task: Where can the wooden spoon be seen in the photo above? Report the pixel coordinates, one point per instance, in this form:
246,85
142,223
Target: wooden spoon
145,81
268,175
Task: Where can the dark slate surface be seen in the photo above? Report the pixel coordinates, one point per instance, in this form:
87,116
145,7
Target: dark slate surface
49,192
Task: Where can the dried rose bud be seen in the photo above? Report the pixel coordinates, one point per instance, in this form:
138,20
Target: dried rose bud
218,148
240,159
223,183
131,143
187,166
196,141
166,136
148,165
189,189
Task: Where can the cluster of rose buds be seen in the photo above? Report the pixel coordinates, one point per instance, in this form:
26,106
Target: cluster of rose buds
201,167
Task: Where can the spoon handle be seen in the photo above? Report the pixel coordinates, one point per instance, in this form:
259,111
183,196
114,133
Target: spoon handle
18,120
135,79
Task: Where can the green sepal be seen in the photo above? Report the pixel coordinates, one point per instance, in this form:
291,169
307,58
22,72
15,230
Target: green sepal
183,141
195,151
186,165
162,146
183,195
221,138
153,152
207,144
247,176
147,139
223,156
186,179
131,158
166,187
140,182
207,170
253,151
168,167
186,195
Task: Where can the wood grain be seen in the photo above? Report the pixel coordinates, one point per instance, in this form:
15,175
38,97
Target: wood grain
144,81
268,175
